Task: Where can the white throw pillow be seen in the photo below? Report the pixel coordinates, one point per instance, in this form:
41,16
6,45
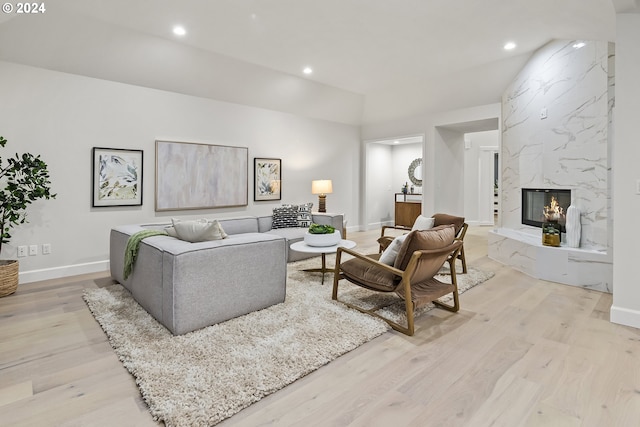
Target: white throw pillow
222,233
389,255
423,223
200,230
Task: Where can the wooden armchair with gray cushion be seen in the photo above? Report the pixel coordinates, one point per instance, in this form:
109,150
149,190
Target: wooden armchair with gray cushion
438,219
410,275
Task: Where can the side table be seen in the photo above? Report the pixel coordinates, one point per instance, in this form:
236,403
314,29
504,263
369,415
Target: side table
323,250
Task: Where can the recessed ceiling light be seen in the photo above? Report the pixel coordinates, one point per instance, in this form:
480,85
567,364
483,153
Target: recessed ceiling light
509,46
179,30
307,70
396,142
578,45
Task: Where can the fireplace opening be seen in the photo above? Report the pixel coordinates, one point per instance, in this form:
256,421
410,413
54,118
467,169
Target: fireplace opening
541,205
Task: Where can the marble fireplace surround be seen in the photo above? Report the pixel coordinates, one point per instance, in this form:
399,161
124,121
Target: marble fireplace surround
556,134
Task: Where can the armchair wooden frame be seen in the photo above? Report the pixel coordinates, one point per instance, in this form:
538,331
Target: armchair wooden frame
436,290
460,255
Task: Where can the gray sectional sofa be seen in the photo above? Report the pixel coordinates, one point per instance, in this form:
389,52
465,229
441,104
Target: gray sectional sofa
186,286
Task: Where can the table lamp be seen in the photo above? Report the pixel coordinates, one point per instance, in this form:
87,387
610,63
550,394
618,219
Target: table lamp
322,187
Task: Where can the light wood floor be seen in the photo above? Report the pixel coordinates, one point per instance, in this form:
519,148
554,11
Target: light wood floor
521,352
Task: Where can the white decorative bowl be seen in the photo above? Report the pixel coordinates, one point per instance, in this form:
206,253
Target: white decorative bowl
322,239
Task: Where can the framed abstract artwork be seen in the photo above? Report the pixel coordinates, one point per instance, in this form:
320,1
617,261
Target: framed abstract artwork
268,178
117,177
200,176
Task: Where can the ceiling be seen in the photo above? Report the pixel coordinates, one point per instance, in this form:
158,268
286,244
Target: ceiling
404,57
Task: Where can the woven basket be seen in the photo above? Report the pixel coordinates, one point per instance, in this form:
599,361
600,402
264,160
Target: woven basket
8,277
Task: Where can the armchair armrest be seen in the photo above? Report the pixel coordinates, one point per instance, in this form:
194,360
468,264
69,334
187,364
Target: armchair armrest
462,232
396,227
385,241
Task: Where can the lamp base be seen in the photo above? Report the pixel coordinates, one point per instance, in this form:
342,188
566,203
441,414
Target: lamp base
322,203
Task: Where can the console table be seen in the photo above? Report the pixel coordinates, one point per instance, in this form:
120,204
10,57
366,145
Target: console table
407,208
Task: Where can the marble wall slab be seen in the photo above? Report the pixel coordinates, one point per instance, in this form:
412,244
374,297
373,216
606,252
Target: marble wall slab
569,148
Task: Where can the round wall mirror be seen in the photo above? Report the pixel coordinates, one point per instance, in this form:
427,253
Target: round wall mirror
415,172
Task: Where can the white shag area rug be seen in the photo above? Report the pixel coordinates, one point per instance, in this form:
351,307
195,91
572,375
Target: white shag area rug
206,376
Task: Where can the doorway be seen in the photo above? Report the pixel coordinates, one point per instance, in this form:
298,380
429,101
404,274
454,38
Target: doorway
387,165
464,170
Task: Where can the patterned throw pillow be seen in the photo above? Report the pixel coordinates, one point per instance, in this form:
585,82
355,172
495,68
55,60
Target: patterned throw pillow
285,216
304,215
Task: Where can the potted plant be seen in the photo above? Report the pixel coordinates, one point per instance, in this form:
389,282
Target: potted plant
322,235
25,179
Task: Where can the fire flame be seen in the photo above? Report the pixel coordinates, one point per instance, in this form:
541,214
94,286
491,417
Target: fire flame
554,212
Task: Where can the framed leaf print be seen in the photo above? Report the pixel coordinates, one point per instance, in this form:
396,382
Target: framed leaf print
267,179
117,177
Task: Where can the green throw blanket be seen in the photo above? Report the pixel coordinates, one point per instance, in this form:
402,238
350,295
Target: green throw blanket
131,252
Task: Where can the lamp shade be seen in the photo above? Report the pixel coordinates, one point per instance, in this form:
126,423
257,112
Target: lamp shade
322,186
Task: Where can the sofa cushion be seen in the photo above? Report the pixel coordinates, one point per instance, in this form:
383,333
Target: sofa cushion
238,225
368,274
292,234
285,216
200,230
434,238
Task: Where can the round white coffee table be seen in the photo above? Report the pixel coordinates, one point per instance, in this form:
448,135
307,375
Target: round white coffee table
323,250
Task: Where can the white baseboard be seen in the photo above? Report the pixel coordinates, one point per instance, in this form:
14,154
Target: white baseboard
625,316
64,271
479,223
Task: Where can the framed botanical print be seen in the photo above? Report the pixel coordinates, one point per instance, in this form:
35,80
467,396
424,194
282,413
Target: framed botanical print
267,179
117,177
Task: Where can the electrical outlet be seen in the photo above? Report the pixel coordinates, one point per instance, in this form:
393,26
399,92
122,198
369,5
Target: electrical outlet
33,250
46,248
22,251
543,113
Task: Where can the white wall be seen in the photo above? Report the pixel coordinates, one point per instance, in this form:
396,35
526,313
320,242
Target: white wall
449,171
62,116
626,280
401,157
378,183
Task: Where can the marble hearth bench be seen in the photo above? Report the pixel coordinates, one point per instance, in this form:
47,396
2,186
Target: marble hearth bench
584,267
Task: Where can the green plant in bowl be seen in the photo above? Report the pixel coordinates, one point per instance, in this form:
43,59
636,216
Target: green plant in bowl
321,229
